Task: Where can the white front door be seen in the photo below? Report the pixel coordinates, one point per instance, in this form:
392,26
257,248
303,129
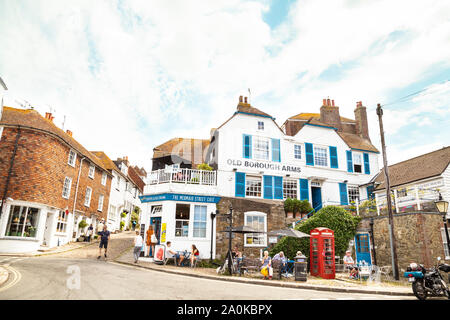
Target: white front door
48,229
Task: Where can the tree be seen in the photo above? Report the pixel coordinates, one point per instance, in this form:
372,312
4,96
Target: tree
335,218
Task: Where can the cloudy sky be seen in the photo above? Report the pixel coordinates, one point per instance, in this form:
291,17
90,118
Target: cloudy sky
129,75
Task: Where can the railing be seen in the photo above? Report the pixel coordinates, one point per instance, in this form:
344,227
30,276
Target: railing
186,176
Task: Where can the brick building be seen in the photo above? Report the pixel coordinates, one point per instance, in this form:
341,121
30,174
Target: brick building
48,183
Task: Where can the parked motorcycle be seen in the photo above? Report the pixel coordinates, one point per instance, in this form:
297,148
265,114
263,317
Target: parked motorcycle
428,282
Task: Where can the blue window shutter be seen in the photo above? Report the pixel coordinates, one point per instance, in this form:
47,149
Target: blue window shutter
247,146
278,188
268,187
366,163
349,161
370,194
309,154
276,153
333,157
343,193
304,189
240,184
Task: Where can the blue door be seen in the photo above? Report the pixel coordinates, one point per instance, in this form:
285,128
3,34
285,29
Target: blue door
316,198
362,248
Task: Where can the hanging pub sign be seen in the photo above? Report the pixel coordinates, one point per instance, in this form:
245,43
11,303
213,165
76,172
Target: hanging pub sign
263,165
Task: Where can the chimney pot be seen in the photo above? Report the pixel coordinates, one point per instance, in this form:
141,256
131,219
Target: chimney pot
324,102
328,103
332,103
245,99
240,99
69,132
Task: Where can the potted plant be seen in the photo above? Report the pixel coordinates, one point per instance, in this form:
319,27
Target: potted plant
289,207
122,224
123,214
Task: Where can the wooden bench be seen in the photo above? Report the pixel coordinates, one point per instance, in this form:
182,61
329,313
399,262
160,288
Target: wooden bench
249,265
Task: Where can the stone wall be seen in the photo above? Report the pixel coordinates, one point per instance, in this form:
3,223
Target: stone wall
418,238
276,219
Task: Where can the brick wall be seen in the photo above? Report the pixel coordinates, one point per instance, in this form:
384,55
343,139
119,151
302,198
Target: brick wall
276,219
39,170
418,238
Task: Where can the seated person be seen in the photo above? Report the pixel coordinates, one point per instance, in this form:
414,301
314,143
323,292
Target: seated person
194,254
349,263
354,273
267,262
171,253
280,256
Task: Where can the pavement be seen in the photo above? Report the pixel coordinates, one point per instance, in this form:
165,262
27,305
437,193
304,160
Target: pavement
120,253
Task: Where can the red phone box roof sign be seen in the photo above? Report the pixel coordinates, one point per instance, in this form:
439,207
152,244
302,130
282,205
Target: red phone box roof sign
322,231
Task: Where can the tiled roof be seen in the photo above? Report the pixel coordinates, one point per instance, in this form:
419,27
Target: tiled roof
425,166
247,108
306,116
183,148
133,175
354,141
32,119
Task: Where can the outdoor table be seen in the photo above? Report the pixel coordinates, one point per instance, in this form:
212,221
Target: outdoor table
186,255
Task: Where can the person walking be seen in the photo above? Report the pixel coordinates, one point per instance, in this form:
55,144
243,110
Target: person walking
100,227
89,232
105,236
138,243
150,241
134,224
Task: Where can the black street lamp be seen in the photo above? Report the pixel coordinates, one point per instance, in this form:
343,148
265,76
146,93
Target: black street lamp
230,260
442,207
213,216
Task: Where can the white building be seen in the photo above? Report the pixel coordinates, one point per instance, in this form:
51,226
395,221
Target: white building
126,187
323,158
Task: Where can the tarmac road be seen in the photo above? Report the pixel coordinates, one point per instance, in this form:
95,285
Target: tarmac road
57,278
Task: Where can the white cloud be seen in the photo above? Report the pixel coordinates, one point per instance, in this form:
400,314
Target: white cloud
131,74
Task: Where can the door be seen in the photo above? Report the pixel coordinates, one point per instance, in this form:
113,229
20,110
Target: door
48,229
362,248
316,198
156,224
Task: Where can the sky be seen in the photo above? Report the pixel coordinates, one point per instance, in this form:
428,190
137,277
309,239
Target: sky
125,75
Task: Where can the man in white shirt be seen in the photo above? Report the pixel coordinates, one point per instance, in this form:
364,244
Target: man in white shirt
138,243
170,253
348,260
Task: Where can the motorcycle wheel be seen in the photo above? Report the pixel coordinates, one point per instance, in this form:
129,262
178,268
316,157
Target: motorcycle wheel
419,290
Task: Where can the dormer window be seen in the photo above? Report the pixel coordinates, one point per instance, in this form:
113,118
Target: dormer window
261,125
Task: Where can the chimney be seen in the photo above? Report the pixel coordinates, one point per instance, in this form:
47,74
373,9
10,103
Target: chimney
329,114
245,100
69,132
362,127
240,99
125,158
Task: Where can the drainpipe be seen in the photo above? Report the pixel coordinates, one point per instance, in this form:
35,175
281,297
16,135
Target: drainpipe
10,170
373,242
76,192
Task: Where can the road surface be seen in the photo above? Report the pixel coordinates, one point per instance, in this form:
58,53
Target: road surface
92,279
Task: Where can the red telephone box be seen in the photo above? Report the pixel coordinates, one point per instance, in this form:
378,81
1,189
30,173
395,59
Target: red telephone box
321,252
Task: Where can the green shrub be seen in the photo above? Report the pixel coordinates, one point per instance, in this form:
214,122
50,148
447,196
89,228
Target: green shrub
204,166
82,224
122,224
123,214
289,205
335,218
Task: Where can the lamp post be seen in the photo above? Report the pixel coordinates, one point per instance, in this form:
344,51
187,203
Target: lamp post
213,216
230,261
442,207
